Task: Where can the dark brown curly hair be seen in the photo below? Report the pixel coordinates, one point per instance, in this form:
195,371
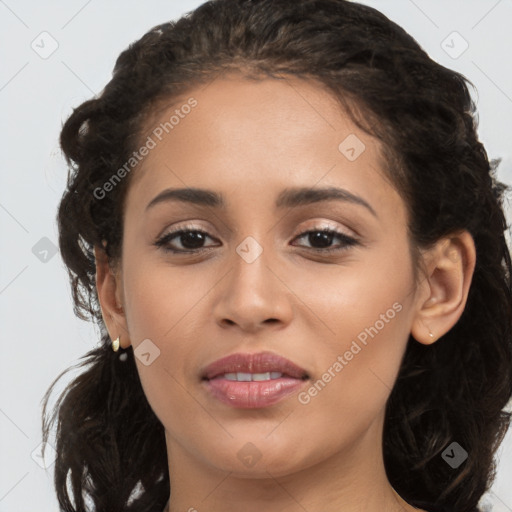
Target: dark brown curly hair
111,450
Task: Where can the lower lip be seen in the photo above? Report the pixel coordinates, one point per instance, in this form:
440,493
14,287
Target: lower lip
253,394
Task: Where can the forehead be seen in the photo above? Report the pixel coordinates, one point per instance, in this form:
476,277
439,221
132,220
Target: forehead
242,133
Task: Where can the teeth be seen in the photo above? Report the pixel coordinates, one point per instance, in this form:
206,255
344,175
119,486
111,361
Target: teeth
247,377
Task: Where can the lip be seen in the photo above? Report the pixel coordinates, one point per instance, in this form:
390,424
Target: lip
253,394
260,362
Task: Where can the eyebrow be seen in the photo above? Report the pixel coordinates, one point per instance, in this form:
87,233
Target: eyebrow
288,198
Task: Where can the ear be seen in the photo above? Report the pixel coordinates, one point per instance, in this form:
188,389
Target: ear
110,293
444,290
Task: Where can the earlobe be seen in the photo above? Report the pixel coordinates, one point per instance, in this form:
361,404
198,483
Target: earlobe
449,273
109,296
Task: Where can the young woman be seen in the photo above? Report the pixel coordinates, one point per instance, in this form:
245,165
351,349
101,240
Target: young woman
281,217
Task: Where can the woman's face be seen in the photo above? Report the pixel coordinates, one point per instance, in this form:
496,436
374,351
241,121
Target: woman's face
257,281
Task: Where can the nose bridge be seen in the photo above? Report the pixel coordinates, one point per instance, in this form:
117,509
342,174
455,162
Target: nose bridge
250,267
251,293
254,248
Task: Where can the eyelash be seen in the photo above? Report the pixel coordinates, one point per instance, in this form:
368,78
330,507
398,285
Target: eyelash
165,239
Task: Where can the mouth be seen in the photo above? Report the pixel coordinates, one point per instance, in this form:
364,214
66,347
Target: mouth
253,380
258,367
253,377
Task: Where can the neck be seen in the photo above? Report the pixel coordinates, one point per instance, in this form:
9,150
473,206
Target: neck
351,480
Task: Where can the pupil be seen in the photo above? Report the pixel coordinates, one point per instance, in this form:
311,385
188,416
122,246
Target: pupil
192,238
322,237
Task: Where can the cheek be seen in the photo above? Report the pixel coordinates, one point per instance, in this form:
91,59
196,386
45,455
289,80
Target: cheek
170,306
162,306
357,367
161,299
365,314
360,299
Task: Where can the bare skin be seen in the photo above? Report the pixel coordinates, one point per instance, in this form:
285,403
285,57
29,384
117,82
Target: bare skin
249,141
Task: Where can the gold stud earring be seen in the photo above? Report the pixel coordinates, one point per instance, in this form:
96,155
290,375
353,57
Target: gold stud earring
115,344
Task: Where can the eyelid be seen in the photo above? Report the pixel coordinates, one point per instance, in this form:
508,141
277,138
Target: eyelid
315,225
185,227
321,225
347,240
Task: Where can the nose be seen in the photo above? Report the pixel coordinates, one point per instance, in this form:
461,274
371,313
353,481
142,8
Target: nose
253,295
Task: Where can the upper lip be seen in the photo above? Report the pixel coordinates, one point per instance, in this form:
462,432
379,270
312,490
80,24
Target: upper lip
260,362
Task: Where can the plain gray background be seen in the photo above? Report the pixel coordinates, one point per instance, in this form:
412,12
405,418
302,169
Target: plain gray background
54,55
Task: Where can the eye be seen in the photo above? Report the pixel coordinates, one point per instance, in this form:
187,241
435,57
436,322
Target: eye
192,240
324,237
